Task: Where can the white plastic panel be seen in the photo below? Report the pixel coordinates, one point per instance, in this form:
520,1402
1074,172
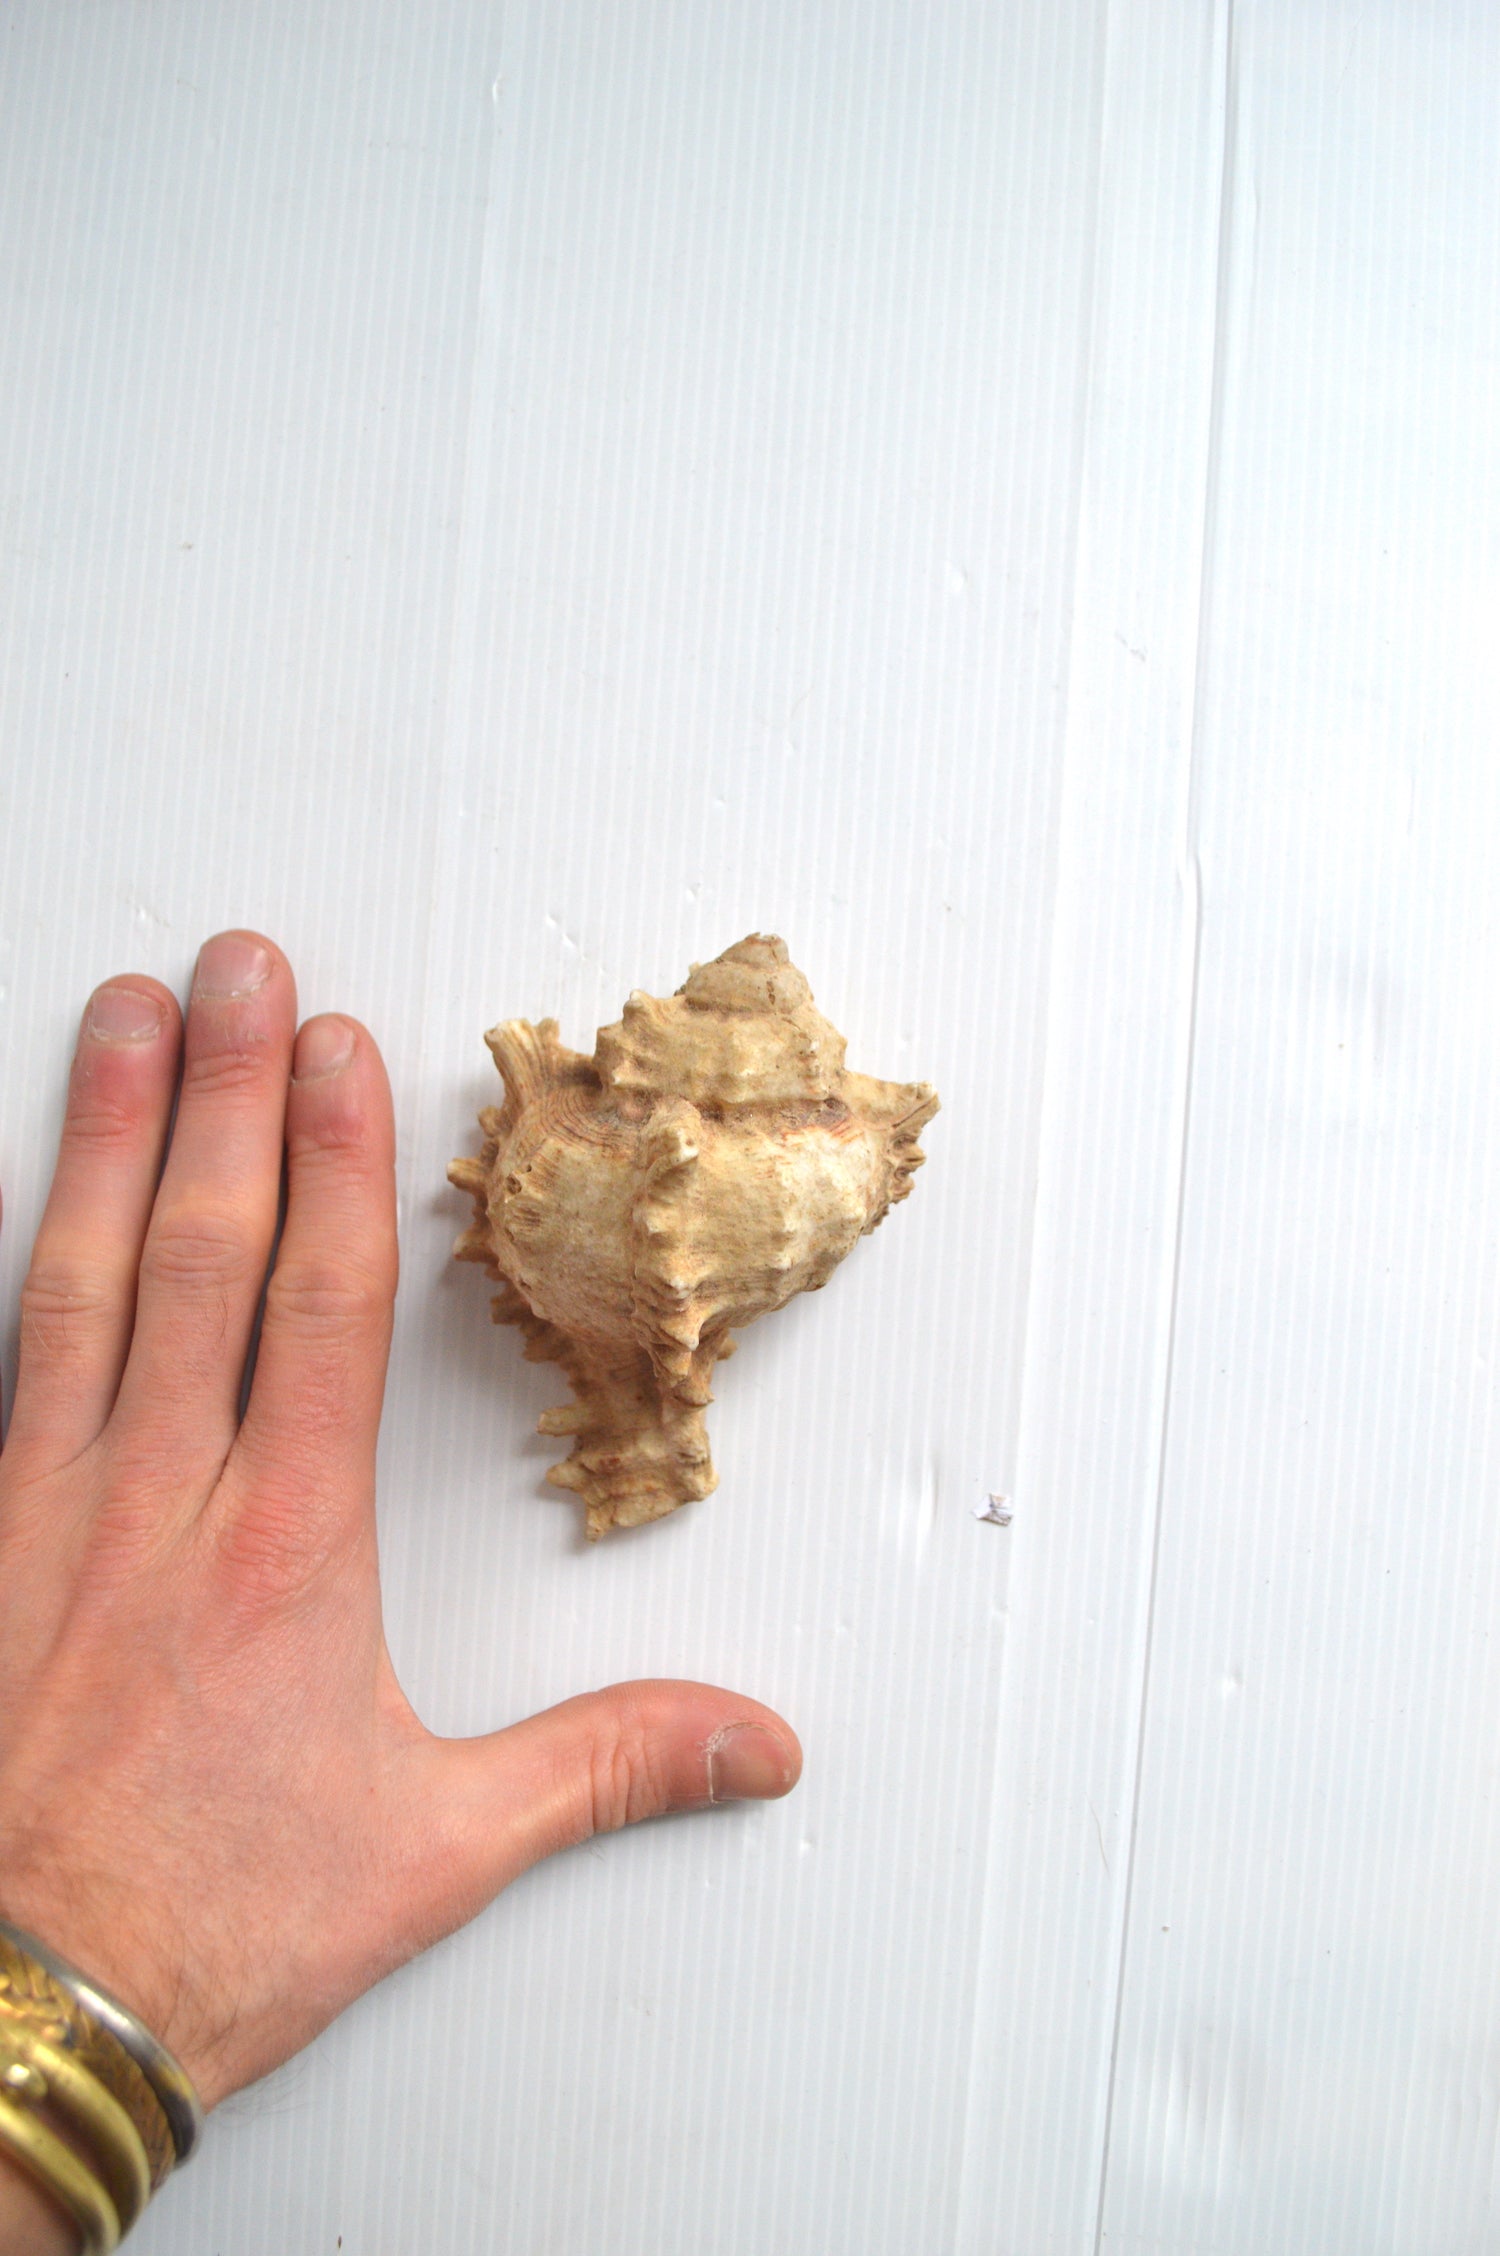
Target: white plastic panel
512,498
1307,2042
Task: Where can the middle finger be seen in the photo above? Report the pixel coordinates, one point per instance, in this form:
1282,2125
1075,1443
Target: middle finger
204,1259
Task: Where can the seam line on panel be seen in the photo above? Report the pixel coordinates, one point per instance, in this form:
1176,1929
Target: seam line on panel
1046,1102
1190,884
1057,961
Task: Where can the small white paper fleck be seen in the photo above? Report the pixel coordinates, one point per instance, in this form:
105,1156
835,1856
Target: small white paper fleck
997,1511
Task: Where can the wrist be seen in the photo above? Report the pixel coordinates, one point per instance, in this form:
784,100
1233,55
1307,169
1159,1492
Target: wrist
31,2224
99,1931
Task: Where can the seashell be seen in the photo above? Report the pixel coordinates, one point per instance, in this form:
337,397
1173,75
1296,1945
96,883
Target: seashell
637,1208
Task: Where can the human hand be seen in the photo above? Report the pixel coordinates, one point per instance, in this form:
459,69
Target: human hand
214,1796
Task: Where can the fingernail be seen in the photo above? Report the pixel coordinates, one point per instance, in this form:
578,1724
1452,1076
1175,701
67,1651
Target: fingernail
747,1763
231,965
123,1014
324,1046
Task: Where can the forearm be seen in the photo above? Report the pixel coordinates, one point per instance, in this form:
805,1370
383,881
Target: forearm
30,2224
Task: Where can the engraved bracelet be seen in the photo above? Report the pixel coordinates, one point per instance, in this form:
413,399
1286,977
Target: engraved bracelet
169,2081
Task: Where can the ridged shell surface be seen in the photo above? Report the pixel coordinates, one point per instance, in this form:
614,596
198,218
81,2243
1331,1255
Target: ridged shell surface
713,1158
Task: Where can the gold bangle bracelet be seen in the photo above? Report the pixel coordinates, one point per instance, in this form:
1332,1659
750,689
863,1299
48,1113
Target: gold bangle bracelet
34,2005
58,2171
112,2140
118,2038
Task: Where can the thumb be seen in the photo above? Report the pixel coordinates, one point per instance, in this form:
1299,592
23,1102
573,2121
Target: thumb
603,1760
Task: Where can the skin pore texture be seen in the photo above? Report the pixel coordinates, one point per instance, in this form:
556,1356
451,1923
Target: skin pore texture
214,1795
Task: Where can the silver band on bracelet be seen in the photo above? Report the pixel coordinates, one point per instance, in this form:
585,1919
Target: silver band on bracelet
171,2083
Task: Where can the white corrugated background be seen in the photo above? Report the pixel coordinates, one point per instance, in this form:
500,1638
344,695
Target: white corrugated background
510,498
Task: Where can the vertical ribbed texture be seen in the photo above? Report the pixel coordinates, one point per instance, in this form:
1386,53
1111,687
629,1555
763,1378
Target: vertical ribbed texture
762,621
1120,1042
1308,2035
512,499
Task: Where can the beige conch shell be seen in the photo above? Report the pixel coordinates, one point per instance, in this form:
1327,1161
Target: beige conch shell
713,1158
